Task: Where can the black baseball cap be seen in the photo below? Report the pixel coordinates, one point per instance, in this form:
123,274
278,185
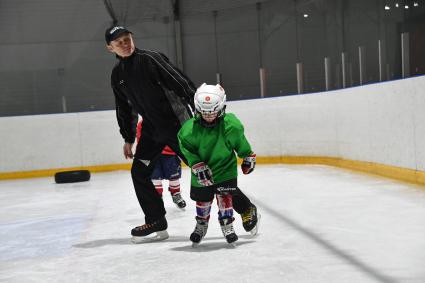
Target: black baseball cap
114,32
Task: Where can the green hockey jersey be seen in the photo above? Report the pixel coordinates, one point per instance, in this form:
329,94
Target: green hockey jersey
216,146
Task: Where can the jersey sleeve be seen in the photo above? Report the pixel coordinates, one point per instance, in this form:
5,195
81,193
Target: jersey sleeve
187,145
236,136
139,130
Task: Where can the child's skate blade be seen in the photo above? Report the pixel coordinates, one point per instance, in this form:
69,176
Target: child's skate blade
154,237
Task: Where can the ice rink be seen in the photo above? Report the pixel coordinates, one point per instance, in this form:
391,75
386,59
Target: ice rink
319,224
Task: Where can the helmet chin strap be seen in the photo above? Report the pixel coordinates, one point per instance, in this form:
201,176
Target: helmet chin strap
208,124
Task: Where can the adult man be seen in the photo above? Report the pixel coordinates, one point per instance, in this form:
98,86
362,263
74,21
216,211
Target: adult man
144,82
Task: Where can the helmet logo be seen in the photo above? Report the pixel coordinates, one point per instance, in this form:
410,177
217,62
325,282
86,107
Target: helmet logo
207,98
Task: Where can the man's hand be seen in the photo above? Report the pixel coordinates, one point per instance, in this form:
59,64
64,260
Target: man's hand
248,163
203,173
128,150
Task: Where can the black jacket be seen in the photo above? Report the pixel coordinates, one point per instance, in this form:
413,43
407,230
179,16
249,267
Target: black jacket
146,83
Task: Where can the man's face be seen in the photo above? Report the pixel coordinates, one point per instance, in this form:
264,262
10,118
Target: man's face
123,46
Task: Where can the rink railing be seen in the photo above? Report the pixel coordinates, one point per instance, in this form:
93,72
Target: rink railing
393,172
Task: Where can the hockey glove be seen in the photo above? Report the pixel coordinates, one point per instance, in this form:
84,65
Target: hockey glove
203,173
248,163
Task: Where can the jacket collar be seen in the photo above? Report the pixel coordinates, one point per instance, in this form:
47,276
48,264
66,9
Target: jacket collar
129,58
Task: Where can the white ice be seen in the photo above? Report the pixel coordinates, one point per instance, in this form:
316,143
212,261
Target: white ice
319,224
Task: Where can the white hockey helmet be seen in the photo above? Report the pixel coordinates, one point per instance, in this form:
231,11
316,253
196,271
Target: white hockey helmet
210,99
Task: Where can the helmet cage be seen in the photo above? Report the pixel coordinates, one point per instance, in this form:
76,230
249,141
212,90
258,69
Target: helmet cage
207,124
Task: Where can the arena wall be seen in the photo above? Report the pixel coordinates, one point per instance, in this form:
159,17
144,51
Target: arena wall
366,128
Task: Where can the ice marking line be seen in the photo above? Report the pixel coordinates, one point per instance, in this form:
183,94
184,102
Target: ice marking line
327,245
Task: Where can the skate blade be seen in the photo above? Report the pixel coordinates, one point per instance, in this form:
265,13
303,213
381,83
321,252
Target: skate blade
181,208
154,237
195,245
232,245
254,230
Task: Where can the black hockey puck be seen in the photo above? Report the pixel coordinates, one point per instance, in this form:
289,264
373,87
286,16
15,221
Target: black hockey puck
72,176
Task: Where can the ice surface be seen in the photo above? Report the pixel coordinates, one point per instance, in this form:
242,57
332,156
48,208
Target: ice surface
319,224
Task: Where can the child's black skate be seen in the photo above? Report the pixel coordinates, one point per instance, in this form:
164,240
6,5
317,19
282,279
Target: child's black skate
228,231
178,200
199,232
150,232
250,220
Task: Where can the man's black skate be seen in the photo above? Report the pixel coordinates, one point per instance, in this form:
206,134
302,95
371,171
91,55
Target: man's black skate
250,220
148,232
228,231
199,232
178,200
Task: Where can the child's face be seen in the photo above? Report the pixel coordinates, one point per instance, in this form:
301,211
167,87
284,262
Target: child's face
209,117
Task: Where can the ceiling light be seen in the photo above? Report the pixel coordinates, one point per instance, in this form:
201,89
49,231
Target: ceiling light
406,7
415,4
396,5
305,15
387,7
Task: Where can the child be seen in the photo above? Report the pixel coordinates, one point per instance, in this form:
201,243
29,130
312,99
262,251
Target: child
167,167
209,142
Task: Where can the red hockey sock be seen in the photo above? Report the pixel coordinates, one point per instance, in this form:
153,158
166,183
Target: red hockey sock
203,209
158,186
174,186
225,206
